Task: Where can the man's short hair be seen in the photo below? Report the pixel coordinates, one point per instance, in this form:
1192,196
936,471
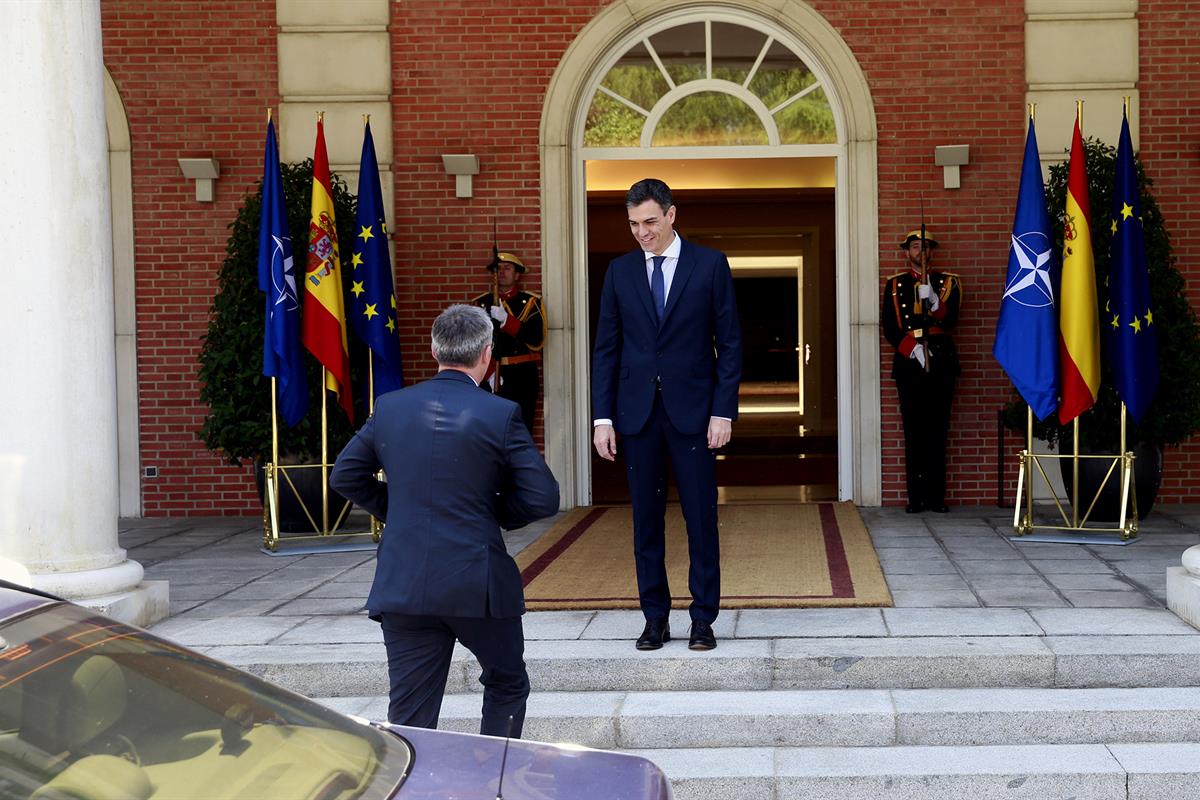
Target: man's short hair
649,189
460,334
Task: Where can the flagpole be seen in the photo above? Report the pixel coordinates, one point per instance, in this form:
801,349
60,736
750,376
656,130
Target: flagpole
1075,426
324,452
1029,413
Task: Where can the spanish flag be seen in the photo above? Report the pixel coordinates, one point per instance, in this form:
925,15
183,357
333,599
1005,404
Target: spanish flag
324,323
1078,328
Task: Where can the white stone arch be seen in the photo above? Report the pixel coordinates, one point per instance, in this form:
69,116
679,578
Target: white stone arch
124,309
567,406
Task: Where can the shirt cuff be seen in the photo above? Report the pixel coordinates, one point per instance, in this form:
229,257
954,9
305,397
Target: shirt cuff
598,422
727,419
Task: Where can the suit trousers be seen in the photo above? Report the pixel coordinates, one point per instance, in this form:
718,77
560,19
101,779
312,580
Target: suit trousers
925,400
419,649
694,464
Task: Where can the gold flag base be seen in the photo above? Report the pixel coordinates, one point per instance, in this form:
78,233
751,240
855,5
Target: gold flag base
1031,464
279,479
278,474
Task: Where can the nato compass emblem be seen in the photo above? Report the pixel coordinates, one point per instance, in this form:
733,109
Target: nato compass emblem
284,295
1031,286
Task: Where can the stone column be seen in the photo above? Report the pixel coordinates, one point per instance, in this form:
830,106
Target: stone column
58,446
1183,587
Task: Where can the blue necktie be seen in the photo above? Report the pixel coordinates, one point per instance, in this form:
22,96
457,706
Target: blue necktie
658,287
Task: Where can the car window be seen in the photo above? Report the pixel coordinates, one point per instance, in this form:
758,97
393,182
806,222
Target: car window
91,708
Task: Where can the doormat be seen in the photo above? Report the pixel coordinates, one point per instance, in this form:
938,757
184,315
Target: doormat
772,556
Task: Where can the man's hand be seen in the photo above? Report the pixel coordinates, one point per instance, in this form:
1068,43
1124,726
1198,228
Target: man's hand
499,314
605,440
919,354
925,292
719,432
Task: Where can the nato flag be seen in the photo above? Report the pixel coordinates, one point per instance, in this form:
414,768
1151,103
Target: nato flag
373,305
1027,327
277,278
1129,321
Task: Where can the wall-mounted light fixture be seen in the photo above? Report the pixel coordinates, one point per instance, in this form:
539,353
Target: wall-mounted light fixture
462,167
204,171
950,157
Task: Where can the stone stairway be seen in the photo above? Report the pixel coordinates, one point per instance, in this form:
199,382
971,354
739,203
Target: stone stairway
836,703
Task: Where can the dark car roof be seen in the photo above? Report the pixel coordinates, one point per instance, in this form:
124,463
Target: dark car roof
17,600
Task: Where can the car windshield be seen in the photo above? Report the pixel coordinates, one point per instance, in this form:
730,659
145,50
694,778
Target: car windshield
91,708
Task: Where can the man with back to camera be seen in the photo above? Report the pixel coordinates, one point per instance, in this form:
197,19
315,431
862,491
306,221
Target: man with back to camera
460,464
665,370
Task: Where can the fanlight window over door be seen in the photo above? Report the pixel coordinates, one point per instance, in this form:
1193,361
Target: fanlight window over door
709,83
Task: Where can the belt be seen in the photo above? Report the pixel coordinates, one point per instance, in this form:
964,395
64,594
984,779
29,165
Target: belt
932,330
520,359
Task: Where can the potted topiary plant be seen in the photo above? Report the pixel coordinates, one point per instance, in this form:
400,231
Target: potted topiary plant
1174,414
238,425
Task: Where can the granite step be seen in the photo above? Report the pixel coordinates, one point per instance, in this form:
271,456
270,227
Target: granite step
837,718
889,662
1137,771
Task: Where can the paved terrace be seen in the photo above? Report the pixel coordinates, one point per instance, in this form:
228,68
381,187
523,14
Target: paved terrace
958,560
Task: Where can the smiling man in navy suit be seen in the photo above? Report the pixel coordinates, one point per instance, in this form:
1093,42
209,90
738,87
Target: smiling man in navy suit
460,464
665,370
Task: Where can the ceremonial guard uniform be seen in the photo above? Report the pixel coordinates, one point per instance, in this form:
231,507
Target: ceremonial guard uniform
925,365
520,337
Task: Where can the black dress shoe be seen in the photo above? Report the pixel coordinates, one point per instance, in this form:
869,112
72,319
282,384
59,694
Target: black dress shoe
914,508
702,637
655,633
939,508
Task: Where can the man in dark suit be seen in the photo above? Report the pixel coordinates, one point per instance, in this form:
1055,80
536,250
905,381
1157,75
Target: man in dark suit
460,464
665,371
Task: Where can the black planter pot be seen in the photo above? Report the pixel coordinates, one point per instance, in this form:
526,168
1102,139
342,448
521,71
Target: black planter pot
1147,476
307,481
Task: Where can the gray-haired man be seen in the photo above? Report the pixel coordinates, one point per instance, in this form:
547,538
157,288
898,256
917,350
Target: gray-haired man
460,465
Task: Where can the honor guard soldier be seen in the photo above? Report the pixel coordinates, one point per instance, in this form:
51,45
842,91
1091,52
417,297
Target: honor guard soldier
920,308
520,334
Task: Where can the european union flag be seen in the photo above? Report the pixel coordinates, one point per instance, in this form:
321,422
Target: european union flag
373,307
1027,328
1129,321
277,278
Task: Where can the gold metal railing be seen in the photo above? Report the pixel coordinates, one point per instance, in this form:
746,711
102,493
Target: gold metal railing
1120,462
276,475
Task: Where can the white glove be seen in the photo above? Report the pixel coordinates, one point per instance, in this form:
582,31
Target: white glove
919,354
925,292
499,314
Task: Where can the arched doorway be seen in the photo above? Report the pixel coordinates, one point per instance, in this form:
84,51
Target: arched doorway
615,103
120,170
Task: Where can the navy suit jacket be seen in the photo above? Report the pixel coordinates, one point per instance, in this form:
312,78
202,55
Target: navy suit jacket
460,464
696,352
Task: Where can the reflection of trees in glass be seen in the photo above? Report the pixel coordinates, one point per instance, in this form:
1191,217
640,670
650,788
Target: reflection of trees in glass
709,118
612,124
809,120
639,83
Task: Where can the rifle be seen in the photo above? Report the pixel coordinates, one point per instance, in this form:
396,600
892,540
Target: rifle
495,266
924,281
494,377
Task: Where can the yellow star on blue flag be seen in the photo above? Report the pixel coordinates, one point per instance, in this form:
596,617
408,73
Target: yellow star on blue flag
374,287
1133,346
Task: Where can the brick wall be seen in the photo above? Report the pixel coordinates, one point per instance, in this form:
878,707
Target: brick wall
1169,49
916,56
195,79
471,76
